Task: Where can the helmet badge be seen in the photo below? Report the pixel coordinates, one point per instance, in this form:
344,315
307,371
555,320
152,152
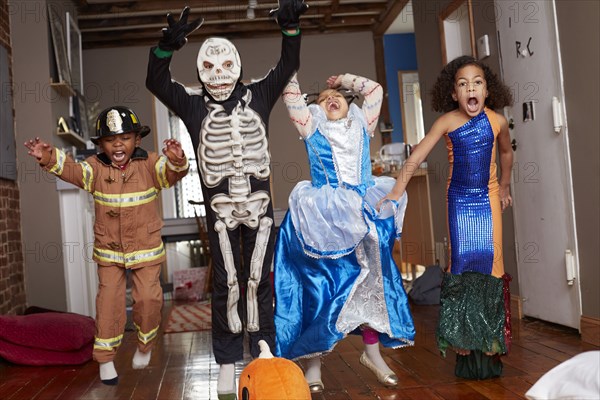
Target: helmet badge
114,121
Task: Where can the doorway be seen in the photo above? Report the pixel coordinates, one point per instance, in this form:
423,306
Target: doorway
542,186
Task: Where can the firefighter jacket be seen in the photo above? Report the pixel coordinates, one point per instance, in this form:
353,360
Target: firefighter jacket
128,222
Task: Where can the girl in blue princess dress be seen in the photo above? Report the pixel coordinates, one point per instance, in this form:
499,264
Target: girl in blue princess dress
334,271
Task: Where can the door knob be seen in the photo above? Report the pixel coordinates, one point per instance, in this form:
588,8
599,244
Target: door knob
513,144
511,124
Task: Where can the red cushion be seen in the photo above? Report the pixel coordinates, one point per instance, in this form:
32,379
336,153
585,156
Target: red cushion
29,356
48,331
49,338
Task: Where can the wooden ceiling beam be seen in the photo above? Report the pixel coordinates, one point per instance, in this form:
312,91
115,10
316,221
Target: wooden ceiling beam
109,23
145,38
387,18
223,25
122,17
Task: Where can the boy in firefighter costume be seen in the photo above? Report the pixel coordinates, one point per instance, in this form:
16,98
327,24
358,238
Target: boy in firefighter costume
227,123
125,181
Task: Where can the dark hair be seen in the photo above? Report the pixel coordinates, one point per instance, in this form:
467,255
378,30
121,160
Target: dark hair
499,94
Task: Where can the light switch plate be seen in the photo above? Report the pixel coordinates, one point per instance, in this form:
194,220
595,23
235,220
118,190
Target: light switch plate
483,47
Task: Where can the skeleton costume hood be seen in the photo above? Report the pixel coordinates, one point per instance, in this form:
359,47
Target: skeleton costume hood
220,73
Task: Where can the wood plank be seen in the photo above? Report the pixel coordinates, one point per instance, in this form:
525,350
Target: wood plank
519,385
88,376
342,379
30,388
420,394
57,386
590,330
493,390
172,384
458,391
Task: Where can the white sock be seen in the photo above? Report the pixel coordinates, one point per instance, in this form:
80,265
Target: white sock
107,371
372,351
313,370
226,381
141,360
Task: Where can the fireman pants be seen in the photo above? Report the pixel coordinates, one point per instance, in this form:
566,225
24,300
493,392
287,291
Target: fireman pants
111,315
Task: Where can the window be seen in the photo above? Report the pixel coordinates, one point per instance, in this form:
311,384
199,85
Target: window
189,187
175,202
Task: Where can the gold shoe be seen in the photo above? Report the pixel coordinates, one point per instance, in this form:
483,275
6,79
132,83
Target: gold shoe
316,387
388,379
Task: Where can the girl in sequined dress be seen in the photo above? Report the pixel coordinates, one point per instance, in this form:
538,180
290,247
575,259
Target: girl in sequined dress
334,271
474,311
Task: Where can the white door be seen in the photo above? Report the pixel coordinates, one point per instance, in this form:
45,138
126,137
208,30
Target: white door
542,185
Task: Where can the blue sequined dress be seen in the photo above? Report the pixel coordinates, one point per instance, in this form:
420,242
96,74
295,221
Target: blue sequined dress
334,270
475,298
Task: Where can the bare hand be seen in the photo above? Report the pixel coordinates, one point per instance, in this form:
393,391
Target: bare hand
334,82
37,147
389,196
174,147
505,198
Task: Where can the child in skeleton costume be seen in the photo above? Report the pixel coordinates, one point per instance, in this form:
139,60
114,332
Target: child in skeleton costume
334,271
125,181
227,123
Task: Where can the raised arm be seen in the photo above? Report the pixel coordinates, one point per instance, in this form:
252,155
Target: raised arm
297,108
419,154
176,166
287,16
158,78
372,93
60,164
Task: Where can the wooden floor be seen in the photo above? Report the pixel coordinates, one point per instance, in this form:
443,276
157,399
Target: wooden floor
182,367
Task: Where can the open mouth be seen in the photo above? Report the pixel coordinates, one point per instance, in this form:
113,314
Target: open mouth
118,157
333,106
473,104
219,87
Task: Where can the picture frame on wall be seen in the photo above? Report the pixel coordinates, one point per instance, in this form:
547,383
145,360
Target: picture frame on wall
74,53
59,46
80,116
84,122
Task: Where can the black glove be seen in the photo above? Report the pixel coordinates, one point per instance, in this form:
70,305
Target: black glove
175,36
288,13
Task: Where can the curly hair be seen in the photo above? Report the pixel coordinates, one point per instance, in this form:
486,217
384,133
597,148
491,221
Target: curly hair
499,94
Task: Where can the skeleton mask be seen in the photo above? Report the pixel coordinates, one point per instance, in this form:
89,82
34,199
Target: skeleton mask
219,67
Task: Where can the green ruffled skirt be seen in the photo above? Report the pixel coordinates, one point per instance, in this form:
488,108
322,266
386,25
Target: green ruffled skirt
475,315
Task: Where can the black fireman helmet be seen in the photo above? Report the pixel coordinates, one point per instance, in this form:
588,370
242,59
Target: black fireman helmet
116,120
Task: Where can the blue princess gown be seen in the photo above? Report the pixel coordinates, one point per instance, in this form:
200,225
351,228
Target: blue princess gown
334,270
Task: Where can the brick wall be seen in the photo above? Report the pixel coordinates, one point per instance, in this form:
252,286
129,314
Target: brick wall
12,279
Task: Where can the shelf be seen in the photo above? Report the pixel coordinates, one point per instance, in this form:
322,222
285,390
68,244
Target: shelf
63,88
72,137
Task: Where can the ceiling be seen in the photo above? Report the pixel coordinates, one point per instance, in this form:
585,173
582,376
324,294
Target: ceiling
117,23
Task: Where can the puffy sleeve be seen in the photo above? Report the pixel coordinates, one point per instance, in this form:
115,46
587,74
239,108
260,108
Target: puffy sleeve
373,97
298,111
